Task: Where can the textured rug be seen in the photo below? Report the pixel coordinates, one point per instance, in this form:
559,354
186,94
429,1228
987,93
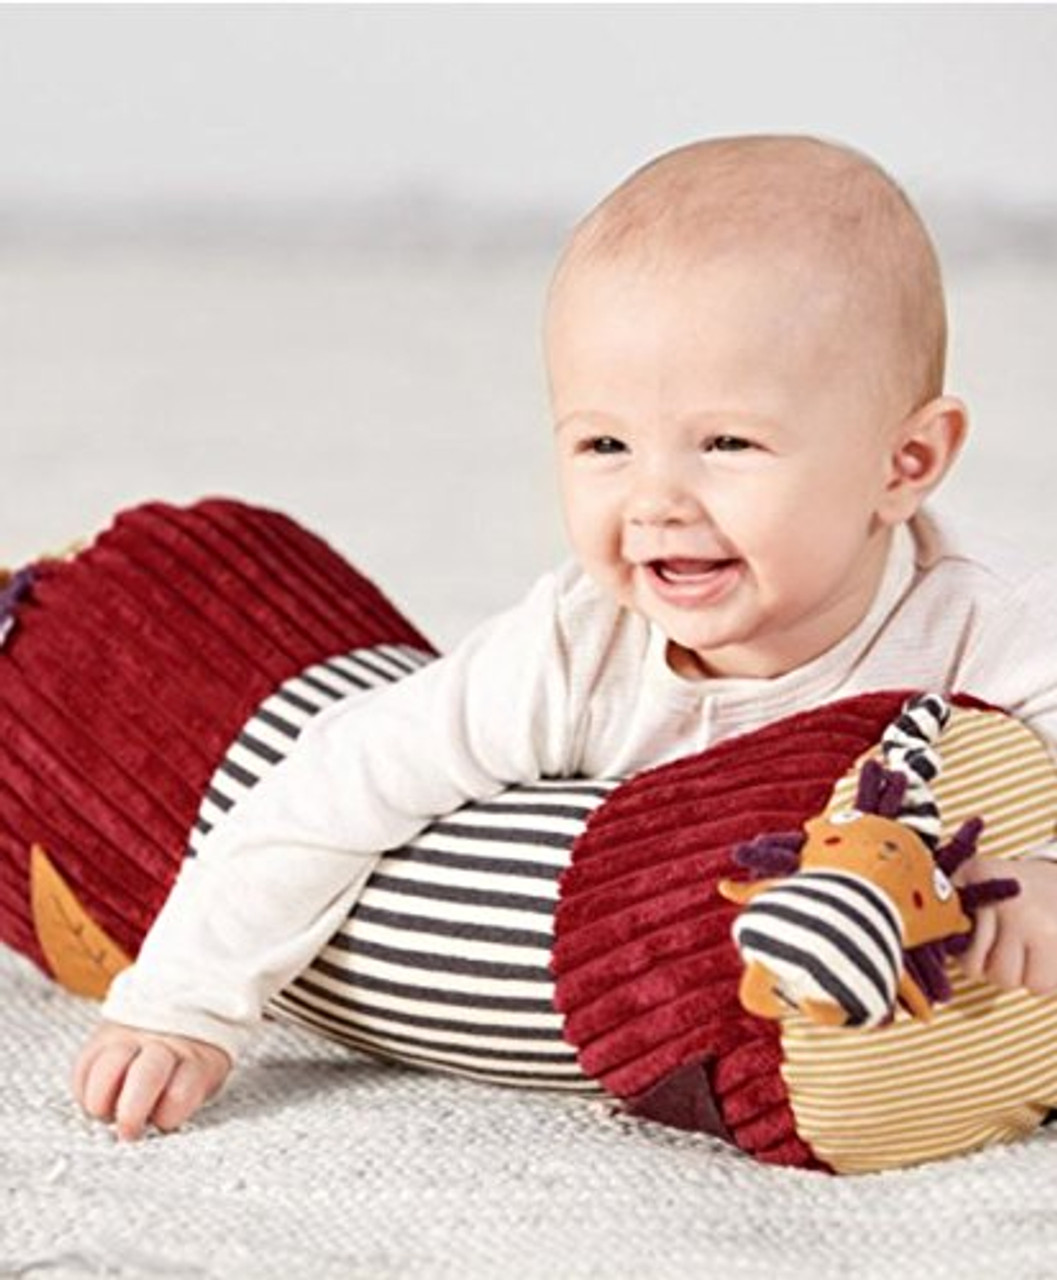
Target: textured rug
319,1163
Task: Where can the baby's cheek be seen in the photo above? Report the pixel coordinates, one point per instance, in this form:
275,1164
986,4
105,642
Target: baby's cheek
616,579
596,541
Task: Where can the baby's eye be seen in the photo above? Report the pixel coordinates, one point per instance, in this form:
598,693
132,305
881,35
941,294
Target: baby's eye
727,444
602,445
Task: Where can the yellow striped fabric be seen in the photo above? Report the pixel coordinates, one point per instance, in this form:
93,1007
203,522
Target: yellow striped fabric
984,1069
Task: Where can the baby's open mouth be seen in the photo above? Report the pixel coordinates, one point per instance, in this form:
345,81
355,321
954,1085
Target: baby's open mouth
688,571
689,582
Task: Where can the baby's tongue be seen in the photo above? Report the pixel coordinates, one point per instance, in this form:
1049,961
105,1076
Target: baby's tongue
688,568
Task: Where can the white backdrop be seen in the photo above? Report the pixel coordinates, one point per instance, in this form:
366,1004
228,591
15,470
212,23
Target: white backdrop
508,105
298,253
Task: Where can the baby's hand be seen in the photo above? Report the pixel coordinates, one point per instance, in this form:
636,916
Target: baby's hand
136,1078
1015,940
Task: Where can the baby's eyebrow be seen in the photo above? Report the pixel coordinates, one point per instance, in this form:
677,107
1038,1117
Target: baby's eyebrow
728,422
589,419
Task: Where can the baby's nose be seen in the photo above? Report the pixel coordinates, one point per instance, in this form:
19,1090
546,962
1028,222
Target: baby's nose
662,499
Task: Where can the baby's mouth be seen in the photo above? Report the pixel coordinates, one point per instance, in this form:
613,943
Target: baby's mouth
691,583
688,572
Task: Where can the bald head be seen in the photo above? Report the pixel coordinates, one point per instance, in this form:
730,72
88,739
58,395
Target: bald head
823,211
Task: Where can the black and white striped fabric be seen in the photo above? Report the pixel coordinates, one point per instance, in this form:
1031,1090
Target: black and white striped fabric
275,726
908,746
830,936
444,961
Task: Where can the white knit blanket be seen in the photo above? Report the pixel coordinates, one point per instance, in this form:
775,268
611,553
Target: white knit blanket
318,1163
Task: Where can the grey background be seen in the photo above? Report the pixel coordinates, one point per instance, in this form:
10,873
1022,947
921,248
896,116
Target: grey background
506,106
298,252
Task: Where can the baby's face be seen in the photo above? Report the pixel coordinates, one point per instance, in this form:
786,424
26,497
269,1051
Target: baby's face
723,470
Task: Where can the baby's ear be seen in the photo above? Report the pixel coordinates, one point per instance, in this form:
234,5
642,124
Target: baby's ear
923,448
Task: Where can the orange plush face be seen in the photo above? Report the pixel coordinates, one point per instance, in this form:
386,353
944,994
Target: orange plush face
894,857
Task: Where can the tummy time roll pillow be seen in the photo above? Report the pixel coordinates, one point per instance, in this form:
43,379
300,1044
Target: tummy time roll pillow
569,934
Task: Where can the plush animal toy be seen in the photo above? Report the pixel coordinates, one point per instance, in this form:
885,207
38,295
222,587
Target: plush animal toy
866,909
567,935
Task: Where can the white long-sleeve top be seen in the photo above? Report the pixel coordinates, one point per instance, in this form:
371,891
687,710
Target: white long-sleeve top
566,683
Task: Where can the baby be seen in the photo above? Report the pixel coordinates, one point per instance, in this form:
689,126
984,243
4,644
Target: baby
745,345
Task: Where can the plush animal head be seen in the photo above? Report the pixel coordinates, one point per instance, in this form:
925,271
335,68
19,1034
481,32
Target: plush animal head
806,949
894,858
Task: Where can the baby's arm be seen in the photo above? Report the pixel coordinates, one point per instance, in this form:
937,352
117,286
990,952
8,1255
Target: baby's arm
135,1078
1015,940
273,882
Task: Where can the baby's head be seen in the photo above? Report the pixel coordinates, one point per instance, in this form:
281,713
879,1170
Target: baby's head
745,344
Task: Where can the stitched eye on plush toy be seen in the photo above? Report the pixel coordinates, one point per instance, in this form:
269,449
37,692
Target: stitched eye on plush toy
941,885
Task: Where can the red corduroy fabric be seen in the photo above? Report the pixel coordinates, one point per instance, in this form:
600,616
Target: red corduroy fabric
130,670
646,971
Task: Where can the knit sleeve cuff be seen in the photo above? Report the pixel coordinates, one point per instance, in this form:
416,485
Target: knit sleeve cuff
125,1006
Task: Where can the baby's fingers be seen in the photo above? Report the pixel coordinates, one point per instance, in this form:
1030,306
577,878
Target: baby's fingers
145,1083
1040,971
86,1060
187,1089
1006,963
985,932
99,1076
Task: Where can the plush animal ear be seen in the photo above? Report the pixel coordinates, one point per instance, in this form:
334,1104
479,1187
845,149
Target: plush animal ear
961,846
881,790
775,854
